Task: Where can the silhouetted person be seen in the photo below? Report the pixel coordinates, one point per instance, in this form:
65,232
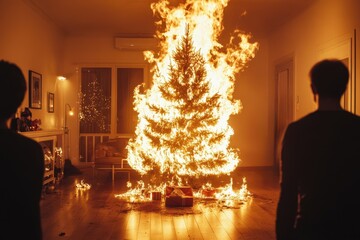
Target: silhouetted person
21,163
320,165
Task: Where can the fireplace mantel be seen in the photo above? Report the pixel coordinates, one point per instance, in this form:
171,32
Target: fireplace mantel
43,133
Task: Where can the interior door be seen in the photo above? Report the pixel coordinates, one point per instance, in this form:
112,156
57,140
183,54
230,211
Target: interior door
284,104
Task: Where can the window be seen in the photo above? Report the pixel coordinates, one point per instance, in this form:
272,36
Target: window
127,80
106,105
95,98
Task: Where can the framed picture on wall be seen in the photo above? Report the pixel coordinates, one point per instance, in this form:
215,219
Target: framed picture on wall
50,102
35,88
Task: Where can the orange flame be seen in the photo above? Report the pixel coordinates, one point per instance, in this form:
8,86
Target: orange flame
139,193
82,185
204,21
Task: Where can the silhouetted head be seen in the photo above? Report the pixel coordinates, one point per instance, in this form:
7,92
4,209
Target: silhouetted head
329,78
12,90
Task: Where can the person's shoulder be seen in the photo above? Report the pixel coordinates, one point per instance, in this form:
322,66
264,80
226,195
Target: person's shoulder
318,119
352,120
352,116
303,120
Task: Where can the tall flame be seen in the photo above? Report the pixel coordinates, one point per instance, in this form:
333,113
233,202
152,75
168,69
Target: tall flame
203,21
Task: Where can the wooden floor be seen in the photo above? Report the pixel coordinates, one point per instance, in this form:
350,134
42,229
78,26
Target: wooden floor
68,213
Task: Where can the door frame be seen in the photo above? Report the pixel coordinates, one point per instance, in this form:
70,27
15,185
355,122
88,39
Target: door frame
286,64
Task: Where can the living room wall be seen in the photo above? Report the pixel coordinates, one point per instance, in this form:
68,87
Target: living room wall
319,32
30,40
35,43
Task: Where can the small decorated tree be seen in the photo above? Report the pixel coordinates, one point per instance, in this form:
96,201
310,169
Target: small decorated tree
94,108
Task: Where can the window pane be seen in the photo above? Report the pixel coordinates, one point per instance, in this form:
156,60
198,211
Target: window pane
127,80
95,115
82,149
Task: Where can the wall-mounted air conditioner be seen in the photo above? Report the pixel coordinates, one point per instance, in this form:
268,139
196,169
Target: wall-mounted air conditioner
136,44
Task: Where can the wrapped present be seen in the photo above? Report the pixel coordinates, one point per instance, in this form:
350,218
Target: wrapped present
155,196
176,196
187,201
173,201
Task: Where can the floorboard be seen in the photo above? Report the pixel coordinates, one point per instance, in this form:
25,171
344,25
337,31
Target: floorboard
96,214
168,227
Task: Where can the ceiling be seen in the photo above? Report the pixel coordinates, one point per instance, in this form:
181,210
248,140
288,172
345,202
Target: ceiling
134,18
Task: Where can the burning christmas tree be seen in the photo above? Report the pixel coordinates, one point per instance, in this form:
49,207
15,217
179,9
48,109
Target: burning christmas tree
183,130
184,134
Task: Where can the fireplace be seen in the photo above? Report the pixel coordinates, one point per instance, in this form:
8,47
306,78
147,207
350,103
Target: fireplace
51,142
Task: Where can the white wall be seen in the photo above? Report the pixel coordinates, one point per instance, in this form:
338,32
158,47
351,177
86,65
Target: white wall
324,24
253,133
318,30
33,43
